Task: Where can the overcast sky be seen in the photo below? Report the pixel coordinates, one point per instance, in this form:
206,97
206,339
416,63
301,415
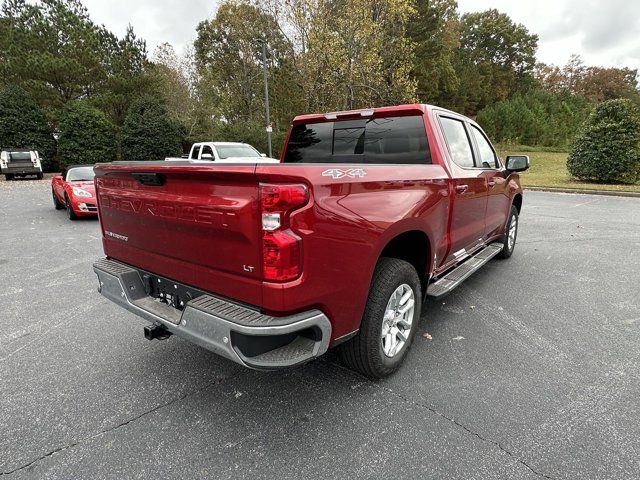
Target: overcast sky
603,32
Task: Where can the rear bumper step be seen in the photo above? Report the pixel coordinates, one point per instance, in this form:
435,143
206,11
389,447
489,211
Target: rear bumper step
459,274
234,331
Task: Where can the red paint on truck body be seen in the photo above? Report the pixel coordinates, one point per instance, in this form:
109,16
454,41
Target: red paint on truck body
203,226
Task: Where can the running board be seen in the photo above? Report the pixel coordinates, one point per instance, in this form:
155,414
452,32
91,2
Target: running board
459,274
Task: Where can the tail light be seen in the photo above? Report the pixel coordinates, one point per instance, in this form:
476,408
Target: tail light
280,246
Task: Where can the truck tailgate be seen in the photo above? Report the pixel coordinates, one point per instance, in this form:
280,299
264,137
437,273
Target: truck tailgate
184,222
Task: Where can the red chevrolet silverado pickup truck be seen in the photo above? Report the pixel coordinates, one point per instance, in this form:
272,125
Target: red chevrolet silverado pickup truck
269,265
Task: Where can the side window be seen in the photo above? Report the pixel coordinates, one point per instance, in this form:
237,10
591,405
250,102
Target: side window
458,142
207,150
487,155
195,153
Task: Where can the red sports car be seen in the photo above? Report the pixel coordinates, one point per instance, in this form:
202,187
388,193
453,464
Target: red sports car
73,189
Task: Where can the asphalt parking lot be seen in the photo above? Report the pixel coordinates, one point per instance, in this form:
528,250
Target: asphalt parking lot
532,369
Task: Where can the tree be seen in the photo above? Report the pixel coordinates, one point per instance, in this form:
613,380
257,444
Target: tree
573,73
54,51
599,84
608,147
358,55
174,81
496,59
86,135
536,117
228,53
551,78
127,74
434,30
596,84
149,133
23,125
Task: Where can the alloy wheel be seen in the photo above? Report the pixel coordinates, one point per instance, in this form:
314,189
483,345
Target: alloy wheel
513,230
398,320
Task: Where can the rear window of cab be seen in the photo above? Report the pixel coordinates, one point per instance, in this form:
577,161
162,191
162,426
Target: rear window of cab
387,140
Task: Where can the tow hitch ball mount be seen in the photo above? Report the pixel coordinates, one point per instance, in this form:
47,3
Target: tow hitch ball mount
156,331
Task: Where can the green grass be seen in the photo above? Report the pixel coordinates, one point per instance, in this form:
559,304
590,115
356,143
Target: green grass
549,169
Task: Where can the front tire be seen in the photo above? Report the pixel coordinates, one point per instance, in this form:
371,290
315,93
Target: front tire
56,203
389,323
510,234
72,215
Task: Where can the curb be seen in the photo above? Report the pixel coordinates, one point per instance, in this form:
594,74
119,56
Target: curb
611,193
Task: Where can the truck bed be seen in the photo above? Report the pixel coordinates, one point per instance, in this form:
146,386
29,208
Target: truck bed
202,227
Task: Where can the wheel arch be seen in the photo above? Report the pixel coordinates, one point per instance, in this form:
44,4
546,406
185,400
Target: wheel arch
517,201
414,247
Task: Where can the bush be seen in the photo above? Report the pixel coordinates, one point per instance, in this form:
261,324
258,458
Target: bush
86,136
607,149
149,133
23,125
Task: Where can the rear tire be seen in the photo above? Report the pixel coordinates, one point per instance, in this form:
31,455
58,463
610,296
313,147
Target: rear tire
369,352
40,176
56,203
72,215
510,234
8,177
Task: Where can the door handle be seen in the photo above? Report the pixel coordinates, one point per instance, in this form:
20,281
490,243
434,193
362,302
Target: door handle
493,180
462,188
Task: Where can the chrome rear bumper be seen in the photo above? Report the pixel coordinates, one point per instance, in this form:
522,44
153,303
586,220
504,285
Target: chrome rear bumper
234,331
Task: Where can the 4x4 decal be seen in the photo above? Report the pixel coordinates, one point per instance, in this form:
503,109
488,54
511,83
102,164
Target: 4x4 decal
336,173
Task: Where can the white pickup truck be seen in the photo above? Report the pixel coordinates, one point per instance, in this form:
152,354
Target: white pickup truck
225,152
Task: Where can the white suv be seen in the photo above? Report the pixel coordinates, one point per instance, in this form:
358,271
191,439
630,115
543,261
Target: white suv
19,162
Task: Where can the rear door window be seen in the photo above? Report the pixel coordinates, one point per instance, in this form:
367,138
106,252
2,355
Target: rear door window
388,140
458,142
